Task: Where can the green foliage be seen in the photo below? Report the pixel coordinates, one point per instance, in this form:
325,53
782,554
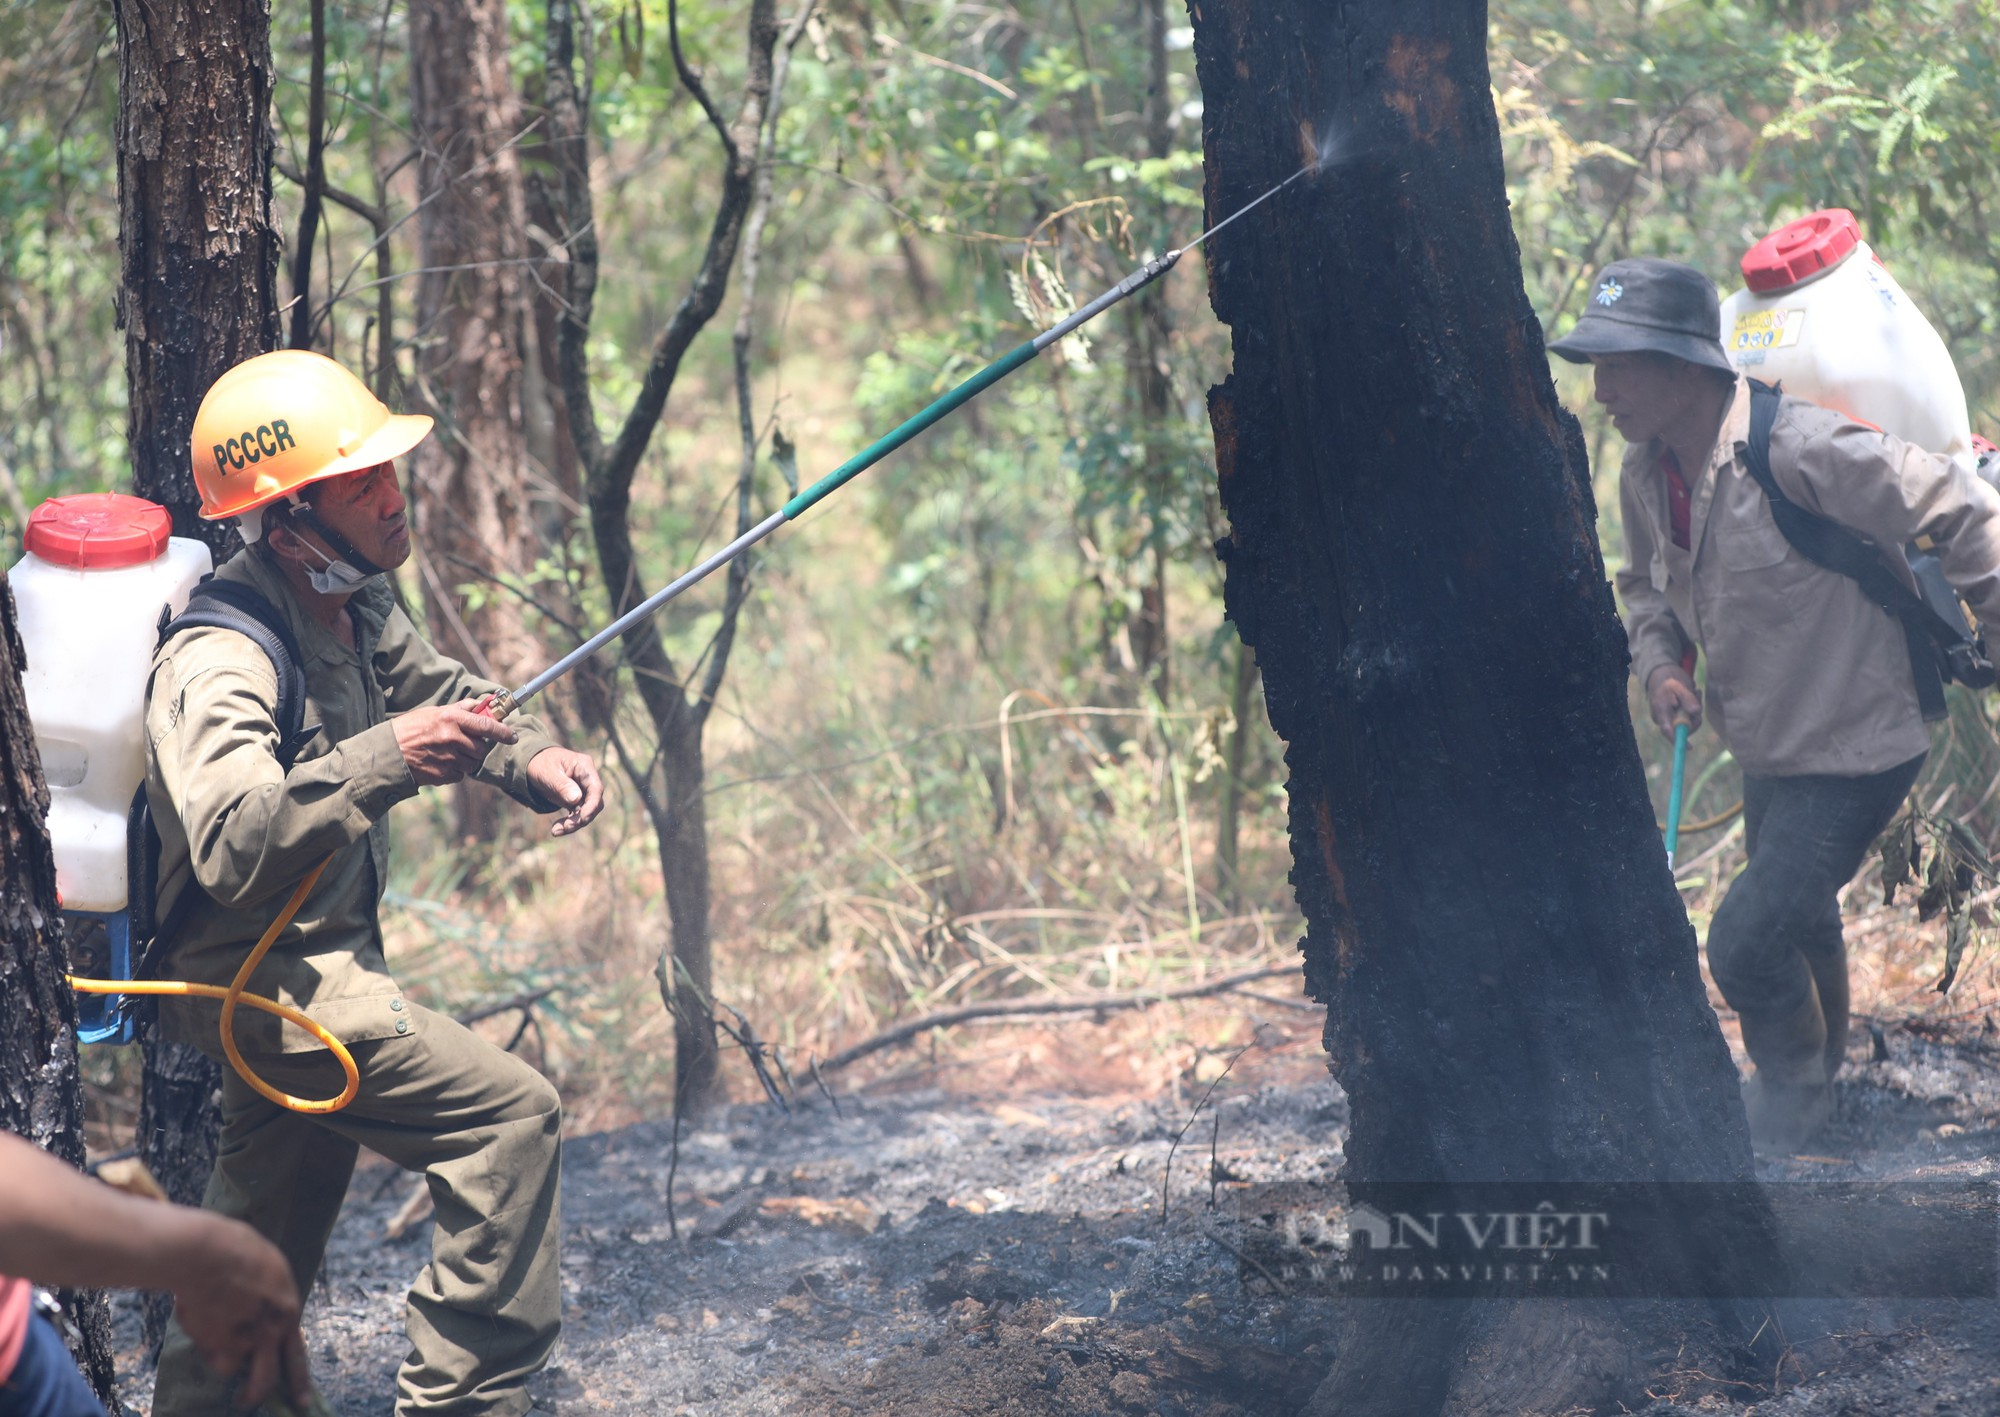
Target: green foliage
1689,131
62,388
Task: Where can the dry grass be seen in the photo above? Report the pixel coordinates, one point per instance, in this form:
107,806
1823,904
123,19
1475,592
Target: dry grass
870,867
870,887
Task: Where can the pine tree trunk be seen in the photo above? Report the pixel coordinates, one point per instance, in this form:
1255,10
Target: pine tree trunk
199,295
1228,873
180,1118
470,481
41,1094
1413,556
199,251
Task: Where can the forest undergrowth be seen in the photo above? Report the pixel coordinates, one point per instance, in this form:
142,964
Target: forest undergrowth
861,887
870,866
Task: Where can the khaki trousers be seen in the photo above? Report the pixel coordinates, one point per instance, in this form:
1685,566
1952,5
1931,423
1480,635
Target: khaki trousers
485,1129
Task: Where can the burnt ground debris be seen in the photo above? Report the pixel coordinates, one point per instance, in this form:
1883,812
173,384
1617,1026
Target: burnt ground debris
933,1252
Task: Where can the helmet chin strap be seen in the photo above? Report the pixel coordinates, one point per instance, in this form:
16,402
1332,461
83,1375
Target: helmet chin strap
312,521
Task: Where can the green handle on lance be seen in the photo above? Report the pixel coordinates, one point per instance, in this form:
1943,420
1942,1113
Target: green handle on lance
1674,792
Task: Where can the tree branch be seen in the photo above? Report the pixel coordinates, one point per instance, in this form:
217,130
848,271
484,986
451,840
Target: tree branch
1013,1008
694,84
314,184
608,473
753,249
340,197
377,218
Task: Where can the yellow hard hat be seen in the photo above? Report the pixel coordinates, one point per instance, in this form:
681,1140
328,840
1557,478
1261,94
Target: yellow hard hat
278,421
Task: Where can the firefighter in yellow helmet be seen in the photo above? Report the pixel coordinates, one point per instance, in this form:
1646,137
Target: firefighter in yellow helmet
303,455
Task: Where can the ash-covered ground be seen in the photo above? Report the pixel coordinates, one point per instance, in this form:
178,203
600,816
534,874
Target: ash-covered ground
935,1252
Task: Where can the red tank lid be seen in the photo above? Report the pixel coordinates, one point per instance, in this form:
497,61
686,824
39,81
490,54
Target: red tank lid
1800,249
98,531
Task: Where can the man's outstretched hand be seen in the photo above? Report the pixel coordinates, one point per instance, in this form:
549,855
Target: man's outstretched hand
568,777
1671,697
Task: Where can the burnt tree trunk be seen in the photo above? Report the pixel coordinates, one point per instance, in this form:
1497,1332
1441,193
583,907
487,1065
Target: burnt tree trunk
1512,982
199,294
41,1093
470,481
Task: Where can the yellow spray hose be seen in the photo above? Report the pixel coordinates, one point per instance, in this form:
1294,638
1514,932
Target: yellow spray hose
234,995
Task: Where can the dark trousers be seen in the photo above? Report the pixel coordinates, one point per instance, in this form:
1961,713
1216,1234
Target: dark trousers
45,1382
1775,948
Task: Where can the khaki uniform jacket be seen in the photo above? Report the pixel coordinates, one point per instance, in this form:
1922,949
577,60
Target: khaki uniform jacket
1806,675
234,825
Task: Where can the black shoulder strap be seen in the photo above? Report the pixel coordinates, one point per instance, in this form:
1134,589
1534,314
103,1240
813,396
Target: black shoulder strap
224,605
1833,546
232,605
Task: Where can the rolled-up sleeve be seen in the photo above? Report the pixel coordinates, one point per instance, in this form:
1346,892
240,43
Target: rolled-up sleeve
254,829
1652,631
1894,492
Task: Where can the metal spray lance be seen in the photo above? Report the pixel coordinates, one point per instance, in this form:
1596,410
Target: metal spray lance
506,702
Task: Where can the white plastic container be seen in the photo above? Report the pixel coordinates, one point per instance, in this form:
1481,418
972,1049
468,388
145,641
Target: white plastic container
1822,315
99,570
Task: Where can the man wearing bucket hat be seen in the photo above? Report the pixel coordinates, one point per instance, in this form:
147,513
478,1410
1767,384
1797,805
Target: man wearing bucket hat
1811,683
302,454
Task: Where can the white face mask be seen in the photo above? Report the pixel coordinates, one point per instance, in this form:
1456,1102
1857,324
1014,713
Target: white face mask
335,577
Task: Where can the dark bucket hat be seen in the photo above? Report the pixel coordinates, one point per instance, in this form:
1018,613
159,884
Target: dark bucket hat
1645,304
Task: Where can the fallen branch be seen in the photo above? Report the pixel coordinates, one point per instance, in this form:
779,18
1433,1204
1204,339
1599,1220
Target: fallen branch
1015,1008
1303,1005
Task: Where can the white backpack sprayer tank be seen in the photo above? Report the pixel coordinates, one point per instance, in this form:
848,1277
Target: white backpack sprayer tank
1822,316
101,575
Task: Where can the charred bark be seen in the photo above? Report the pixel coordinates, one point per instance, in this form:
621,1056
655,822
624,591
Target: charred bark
41,1092
470,482
1412,554
199,273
